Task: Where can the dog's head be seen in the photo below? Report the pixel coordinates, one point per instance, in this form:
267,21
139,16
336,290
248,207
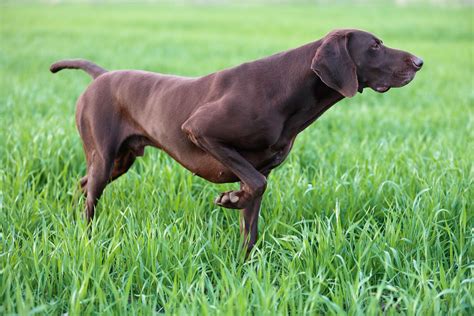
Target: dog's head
350,60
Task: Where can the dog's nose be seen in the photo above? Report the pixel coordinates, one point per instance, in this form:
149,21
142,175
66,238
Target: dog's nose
418,62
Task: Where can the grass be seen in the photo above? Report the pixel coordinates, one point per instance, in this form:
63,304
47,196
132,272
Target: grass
372,212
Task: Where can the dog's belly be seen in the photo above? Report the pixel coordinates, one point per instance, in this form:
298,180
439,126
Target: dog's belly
204,165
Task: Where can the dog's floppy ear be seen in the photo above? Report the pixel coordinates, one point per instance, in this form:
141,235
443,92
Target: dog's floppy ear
334,66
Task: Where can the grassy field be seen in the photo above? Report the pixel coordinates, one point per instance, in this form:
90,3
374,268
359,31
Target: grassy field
371,213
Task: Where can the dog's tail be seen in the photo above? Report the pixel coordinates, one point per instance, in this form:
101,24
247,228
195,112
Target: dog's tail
89,67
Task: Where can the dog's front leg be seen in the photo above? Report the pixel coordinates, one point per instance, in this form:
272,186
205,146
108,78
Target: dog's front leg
254,182
211,137
249,223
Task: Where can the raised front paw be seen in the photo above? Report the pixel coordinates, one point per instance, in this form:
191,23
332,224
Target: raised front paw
233,199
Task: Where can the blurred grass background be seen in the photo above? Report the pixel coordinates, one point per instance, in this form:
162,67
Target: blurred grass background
372,212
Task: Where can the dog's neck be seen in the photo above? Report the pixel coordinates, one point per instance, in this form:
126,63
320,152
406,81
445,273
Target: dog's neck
305,82
318,97
306,97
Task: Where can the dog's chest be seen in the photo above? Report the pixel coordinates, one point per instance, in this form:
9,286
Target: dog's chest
279,153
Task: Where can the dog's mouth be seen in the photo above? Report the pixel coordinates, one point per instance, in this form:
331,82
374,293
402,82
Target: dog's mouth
393,80
379,88
399,81
407,80
382,89
403,79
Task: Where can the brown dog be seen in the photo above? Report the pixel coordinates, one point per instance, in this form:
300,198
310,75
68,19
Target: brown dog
233,125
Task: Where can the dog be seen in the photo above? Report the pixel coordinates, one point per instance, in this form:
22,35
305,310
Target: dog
234,125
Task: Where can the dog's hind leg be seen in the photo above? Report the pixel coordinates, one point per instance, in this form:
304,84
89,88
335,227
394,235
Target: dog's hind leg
101,173
123,160
130,149
121,165
98,175
83,184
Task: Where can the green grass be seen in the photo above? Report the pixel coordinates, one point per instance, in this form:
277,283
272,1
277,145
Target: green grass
372,212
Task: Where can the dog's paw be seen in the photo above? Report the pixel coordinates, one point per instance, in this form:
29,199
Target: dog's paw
232,199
